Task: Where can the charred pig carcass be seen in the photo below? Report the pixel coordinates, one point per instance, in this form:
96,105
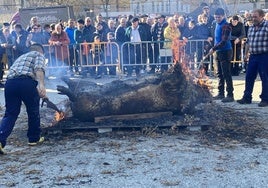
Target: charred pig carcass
171,91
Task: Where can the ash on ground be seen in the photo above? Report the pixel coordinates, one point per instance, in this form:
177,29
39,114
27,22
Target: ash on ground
212,123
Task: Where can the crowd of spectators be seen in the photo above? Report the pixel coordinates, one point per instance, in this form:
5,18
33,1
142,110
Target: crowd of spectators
67,39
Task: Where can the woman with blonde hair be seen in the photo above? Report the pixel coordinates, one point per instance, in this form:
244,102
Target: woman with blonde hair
266,16
171,35
171,32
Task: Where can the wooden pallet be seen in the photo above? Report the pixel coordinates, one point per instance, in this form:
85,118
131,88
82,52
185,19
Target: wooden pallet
120,122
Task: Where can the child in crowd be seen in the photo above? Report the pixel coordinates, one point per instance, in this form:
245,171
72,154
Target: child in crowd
111,53
97,54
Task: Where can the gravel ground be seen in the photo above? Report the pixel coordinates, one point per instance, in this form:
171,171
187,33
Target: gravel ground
143,158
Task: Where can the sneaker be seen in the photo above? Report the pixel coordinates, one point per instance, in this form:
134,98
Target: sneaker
152,71
228,99
243,101
98,77
2,152
218,97
40,141
263,104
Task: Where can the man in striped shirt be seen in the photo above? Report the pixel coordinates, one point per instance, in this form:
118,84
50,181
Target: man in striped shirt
25,83
257,52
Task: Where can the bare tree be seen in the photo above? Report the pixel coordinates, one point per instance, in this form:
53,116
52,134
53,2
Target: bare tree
105,4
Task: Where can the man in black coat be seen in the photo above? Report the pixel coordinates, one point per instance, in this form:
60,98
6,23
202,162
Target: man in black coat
120,38
148,53
120,32
89,29
237,35
157,31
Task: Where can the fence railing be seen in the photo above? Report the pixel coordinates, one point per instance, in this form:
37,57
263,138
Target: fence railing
129,57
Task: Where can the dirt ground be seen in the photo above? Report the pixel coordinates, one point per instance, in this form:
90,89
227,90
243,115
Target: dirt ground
232,152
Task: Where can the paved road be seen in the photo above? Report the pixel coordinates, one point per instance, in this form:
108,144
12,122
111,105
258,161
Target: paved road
239,86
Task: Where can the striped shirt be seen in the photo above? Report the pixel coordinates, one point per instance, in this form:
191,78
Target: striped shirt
27,64
258,38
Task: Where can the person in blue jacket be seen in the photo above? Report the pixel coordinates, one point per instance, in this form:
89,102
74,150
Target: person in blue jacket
223,48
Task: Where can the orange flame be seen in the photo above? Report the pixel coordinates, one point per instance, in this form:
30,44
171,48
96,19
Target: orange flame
59,116
203,80
179,56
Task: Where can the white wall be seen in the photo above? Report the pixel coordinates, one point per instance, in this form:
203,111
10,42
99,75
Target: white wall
159,7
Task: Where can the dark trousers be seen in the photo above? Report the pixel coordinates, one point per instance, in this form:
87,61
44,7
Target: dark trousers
157,59
20,90
73,56
1,70
156,55
224,72
1,67
134,58
257,64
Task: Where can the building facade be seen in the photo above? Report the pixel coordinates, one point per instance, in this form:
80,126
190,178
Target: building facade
114,8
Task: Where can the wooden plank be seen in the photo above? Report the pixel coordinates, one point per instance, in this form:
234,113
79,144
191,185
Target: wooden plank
132,116
97,127
111,127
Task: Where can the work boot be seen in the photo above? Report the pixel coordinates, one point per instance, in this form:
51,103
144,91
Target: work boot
152,71
218,97
2,152
227,99
244,101
263,104
40,141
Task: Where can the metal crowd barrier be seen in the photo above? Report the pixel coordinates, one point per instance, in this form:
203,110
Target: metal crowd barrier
145,55
84,56
238,51
196,51
129,56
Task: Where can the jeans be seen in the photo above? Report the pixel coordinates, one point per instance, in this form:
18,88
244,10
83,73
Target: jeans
224,72
20,90
257,64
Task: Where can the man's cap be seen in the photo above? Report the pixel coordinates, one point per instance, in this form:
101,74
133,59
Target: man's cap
135,19
205,7
110,33
219,11
81,21
144,16
36,47
160,16
6,24
235,17
19,26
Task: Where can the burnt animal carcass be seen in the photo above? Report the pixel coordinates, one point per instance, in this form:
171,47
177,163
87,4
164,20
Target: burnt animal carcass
170,91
